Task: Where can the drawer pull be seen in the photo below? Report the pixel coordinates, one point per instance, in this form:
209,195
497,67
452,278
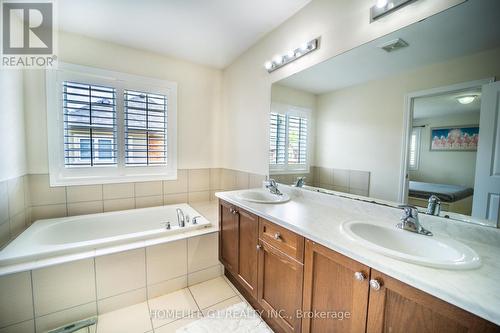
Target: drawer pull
359,276
233,211
259,247
277,236
375,284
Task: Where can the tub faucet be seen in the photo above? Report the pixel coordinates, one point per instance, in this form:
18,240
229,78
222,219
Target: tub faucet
409,221
180,217
433,205
272,186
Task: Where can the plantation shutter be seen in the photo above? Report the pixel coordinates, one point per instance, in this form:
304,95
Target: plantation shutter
89,125
277,139
145,128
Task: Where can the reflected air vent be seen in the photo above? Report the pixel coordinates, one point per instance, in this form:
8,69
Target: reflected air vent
394,45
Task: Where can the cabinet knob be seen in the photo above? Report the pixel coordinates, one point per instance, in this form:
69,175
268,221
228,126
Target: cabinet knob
259,247
359,276
375,284
233,211
277,236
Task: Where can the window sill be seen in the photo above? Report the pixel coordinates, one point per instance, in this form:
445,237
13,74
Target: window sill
97,180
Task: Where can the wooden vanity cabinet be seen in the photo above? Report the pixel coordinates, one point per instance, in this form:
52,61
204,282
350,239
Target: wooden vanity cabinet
398,307
280,287
282,275
336,286
238,245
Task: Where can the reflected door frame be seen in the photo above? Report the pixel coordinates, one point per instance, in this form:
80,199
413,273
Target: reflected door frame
408,124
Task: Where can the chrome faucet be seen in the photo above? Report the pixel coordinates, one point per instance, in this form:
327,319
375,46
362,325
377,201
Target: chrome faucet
272,186
300,181
180,217
409,221
433,205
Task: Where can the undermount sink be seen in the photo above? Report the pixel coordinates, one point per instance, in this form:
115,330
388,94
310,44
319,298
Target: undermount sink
263,196
424,250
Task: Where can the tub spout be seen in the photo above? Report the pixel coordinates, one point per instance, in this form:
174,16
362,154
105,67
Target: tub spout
180,218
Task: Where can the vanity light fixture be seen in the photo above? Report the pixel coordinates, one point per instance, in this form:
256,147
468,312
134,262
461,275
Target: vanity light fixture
292,55
384,7
467,99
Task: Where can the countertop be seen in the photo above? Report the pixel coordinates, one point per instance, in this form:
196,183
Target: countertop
318,217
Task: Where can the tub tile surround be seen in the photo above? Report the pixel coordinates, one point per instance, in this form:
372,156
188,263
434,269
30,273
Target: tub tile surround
319,218
53,296
340,180
28,198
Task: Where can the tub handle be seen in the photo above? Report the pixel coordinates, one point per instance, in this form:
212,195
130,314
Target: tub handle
167,225
195,219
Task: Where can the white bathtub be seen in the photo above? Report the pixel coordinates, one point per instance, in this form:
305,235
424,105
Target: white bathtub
76,234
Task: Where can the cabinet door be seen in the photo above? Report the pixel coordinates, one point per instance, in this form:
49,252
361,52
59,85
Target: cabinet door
335,287
397,307
280,287
247,251
228,237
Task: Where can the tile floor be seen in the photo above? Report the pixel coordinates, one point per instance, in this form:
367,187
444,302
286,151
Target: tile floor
172,310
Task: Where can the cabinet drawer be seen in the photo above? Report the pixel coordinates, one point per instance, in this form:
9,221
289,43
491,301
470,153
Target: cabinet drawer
283,239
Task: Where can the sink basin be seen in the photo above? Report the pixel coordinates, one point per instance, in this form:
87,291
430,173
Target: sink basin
423,250
263,196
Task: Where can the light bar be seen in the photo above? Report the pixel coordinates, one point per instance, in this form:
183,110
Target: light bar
292,55
384,7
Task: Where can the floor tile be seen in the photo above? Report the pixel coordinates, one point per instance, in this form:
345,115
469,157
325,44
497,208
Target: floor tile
173,306
211,292
132,319
211,310
173,326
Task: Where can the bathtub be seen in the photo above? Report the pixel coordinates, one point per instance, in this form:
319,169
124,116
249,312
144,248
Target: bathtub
78,234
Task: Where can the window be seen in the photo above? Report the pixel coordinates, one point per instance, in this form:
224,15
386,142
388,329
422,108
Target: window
413,157
288,139
145,128
109,127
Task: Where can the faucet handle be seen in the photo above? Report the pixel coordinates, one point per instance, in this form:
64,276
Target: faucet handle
409,210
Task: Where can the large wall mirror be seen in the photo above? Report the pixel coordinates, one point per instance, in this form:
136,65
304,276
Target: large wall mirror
407,118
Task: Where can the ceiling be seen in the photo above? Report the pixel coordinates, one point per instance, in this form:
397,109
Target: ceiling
209,32
446,104
465,29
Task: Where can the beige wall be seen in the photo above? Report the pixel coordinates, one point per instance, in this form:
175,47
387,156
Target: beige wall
12,147
199,97
361,127
342,25
445,167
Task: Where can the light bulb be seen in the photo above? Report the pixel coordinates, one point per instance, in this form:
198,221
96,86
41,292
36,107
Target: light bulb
304,47
278,60
290,54
466,99
268,65
381,3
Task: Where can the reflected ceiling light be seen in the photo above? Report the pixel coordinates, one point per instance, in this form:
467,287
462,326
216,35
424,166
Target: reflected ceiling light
292,55
382,3
467,99
384,7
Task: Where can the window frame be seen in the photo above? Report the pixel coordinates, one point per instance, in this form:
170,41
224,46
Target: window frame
59,174
294,111
418,134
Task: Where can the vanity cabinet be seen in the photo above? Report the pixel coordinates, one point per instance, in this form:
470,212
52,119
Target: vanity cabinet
334,283
238,245
397,307
284,274
280,286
